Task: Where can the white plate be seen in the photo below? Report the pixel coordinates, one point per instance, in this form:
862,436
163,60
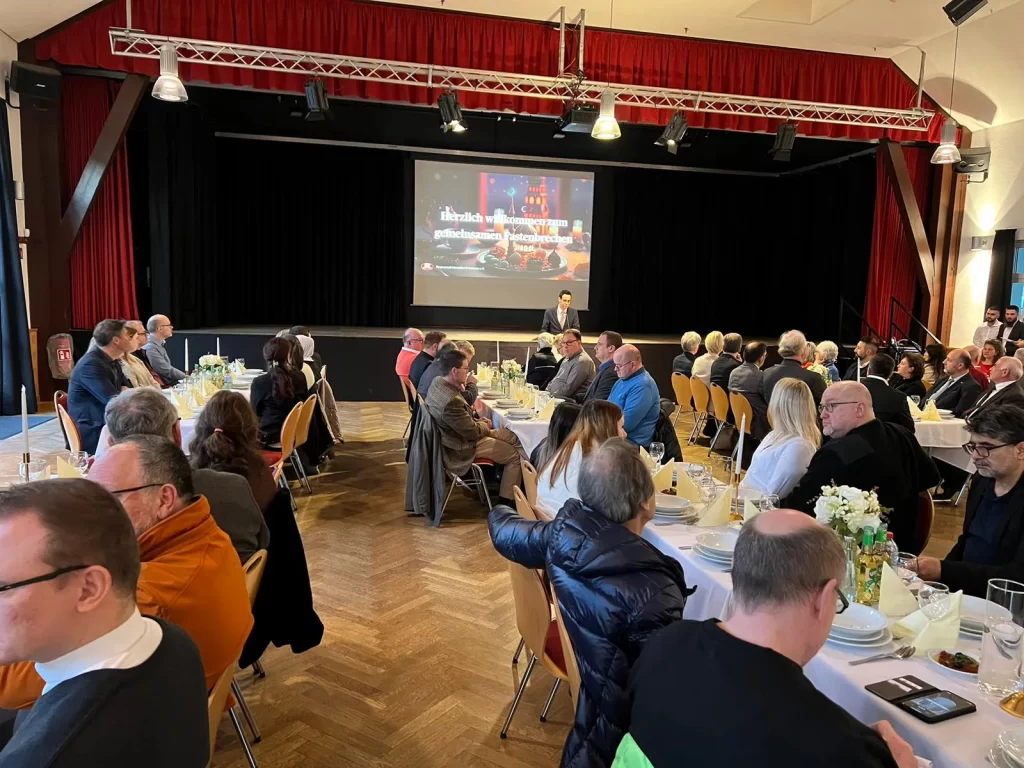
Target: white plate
712,556
515,417
722,543
885,639
933,657
488,396
999,758
859,621
944,411
973,610
664,502
527,412
720,563
506,403
843,635
1012,743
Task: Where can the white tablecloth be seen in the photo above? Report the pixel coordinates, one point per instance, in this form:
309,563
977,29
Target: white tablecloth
188,425
529,432
959,743
944,440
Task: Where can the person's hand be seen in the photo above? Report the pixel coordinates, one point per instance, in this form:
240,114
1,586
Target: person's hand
486,422
901,751
929,568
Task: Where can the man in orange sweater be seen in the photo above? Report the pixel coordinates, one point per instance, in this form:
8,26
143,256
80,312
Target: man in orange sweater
190,574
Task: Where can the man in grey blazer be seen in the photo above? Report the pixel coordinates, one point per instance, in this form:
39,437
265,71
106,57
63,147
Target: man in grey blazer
748,380
160,329
561,318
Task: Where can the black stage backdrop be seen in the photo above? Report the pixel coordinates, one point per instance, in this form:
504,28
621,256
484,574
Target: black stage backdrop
265,232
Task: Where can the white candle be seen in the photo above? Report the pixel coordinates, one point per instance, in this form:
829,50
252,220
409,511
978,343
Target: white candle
739,446
527,371
857,361
499,353
218,346
24,420
186,356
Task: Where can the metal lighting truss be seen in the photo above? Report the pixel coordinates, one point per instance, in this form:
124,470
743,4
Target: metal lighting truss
134,43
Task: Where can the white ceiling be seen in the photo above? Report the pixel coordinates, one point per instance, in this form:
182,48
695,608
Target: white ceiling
22,19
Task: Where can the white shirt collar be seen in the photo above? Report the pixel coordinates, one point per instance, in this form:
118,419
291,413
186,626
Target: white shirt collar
127,646
1004,385
954,379
872,376
410,349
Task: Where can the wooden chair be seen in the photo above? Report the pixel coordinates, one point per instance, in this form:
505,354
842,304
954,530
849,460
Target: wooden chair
525,511
701,404
530,481
60,398
684,395
571,668
539,632
70,429
217,703
301,436
925,519
740,408
253,576
409,393
720,401
276,458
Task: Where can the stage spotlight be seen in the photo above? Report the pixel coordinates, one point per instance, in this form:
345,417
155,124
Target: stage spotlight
673,133
317,105
960,11
451,113
785,137
607,127
947,153
168,87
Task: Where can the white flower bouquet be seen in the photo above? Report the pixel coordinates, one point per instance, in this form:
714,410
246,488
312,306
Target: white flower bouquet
848,510
511,368
209,362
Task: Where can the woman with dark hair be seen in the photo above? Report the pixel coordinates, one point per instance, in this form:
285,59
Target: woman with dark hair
990,352
934,357
296,361
907,378
276,392
562,422
227,439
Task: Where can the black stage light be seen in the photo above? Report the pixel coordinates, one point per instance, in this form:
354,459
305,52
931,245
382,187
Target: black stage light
451,113
673,133
785,137
960,11
319,108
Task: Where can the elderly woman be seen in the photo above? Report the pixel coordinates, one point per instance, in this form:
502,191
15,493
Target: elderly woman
684,363
542,362
811,363
308,355
714,343
827,354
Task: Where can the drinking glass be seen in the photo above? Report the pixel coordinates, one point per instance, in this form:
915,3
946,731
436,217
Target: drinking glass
916,399
999,669
35,469
933,599
657,452
79,460
906,566
767,502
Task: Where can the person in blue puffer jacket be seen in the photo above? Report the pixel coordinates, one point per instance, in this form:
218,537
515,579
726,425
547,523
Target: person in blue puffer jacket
614,588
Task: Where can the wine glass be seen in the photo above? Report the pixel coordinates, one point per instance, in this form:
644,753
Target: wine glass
933,599
79,460
657,452
906,566
916,400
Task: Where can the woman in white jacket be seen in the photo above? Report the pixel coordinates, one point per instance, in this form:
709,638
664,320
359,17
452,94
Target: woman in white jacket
783,456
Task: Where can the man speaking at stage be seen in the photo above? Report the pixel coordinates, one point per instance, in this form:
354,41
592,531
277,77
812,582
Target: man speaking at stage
560,318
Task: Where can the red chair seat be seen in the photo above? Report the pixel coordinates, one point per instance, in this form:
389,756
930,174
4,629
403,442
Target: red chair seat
483,462
553,646
271,457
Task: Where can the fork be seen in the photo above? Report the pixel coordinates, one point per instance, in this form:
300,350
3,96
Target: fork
900,653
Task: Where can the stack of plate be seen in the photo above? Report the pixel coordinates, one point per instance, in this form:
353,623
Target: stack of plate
674,508
860,626
489,395
520,414
1008,751
506,402
972,616
717,547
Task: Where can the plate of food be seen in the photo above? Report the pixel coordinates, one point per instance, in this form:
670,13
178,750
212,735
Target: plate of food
962,664
523,262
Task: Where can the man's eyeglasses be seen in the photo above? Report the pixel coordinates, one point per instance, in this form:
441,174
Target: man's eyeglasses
841,602
40,579
830,407
165,325
137,488
617,366
982,451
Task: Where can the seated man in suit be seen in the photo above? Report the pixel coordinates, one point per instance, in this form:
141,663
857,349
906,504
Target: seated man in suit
606,377
562,317
729,360
864,353
684,363
956,391
792,348
1004,386
991,545
120,688
867,453
464,438
97,379
889,405
748,380
575,369
431,341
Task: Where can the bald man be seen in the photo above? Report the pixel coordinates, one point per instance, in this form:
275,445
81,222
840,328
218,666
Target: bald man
160,330
957,391
412,345
785,596
1004,385
866,453
636,393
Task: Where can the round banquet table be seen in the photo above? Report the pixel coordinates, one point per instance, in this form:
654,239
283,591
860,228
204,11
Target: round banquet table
944,440
530,432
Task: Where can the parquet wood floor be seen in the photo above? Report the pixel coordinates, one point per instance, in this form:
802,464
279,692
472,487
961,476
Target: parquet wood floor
415,668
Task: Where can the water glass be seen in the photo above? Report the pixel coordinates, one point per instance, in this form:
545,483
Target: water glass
917,400
999,669
79,460
933,599
657,452
767,502
906,566
35,469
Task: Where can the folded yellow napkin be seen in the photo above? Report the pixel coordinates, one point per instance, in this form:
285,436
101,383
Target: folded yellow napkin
915,412
184,410
648,461
663,477
547,411
64,469
196,399
717,512
930,413
208,389
749,510
928,634
895,600
686,489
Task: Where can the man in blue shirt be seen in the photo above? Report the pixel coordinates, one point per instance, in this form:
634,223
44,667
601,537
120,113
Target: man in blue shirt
636,393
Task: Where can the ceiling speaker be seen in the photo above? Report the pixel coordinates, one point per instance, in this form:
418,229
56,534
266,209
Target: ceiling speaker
35,82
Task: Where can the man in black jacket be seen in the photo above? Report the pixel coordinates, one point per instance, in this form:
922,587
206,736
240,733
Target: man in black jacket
889,405
431,341
957,391
792,347
864,353
1011,332
614,589
1004,386
562,317
729,360
606,376
98,379
992,543
867,453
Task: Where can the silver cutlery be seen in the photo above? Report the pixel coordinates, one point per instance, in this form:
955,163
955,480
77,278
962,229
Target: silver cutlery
686,546
900,653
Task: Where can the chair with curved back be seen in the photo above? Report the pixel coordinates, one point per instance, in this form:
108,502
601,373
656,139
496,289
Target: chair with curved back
409,393
253,576
60,397
720,402
684,395
71,433
276,458
526,512
571,668
217,703
530,481
301,436
740,408
925,519
701,404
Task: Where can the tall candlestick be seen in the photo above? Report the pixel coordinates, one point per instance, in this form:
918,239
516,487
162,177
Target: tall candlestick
218,346
186,356
499,353
739,446
24,421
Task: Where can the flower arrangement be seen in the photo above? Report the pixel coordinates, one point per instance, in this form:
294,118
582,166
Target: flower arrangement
848,510
511,368
209,362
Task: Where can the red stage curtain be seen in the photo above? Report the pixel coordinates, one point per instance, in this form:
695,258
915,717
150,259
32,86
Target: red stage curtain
507,45
102,262
893,271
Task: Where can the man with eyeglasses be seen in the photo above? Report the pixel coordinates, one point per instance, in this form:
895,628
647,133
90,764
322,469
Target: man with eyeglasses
636,393
867,453
576,370
160,330
114,687
749,667
991,545
412,345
